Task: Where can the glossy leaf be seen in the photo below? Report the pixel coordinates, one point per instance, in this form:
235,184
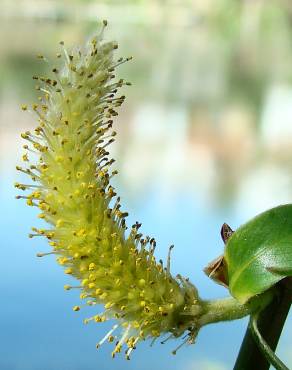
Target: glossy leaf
259,253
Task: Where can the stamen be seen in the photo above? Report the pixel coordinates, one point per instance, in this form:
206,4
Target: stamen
180,346
129,351
167,339
109,333
45,254
168,259
69,287
122,340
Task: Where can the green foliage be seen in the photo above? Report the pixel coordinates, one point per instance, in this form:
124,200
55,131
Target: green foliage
259,253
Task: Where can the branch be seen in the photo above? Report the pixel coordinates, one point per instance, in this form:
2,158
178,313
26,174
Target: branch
270,324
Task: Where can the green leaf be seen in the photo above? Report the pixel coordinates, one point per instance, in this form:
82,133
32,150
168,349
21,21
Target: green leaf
259,253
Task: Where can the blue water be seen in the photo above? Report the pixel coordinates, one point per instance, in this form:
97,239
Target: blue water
39,330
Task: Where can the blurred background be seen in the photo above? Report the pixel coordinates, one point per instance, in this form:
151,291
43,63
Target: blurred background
205,137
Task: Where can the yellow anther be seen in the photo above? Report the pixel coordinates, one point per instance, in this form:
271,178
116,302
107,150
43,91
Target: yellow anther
84,282
24,107
98,291
42,206
44,167
91,285
118,348
119,213
142,303
62,260
108,305
136,324
67,287
76,308
155,333
81,232
68,271
92,277
91,266
29,202
41,215
59,223
25,157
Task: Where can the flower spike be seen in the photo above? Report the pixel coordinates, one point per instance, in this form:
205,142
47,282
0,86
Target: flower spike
88,231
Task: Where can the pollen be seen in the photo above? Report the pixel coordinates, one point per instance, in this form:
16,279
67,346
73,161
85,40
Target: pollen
91,266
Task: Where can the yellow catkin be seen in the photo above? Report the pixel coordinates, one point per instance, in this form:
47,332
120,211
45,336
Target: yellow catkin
71,185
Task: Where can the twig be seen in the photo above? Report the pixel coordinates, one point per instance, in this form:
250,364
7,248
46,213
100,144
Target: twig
270,324
265,348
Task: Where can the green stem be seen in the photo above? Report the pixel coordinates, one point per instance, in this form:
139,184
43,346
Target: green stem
225,309
264,347
270,323
228,309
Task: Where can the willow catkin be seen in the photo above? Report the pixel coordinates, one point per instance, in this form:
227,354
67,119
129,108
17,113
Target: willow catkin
71,186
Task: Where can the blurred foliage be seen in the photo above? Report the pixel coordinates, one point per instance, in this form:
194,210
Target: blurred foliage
217,60
201,52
